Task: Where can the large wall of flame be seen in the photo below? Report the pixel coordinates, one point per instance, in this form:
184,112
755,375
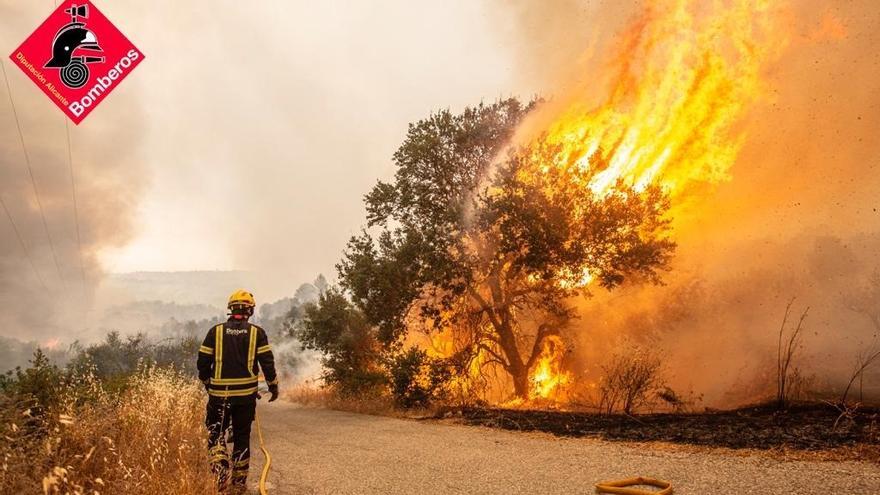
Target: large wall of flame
799,216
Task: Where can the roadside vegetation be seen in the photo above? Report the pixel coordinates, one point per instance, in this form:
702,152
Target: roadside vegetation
117,420
124,415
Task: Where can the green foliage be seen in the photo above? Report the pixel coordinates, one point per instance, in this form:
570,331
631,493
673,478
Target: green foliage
112,361
118,357
422,216
178,353
351,354
39,382
544,221
114,356
417,379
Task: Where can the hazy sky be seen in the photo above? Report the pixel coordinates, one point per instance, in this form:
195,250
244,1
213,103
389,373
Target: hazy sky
260,125
265,122
248,136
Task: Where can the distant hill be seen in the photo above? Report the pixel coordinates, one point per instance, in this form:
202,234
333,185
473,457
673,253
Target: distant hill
157,317
194,287
161,305
150,301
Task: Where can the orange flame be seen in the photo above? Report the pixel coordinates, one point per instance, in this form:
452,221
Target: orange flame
547,378
668,113
683,77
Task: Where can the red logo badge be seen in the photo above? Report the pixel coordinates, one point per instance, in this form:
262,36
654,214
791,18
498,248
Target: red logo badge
77,57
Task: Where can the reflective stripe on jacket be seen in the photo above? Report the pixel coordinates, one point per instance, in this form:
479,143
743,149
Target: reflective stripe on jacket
231,357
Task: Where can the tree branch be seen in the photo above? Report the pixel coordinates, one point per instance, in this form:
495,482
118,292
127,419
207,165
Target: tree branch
495,356
485,306
544,330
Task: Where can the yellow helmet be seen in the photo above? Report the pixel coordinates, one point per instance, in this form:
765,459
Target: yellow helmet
243,298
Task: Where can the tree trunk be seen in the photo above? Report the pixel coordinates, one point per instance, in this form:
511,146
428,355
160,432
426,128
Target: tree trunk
518,369
502,322
521,382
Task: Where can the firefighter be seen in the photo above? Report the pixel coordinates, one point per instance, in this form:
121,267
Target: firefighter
229,362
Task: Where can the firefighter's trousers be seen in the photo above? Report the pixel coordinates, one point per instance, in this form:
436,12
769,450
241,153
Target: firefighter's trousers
222,414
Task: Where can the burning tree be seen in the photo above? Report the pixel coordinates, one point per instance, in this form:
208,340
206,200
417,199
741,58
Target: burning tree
484,243
464,239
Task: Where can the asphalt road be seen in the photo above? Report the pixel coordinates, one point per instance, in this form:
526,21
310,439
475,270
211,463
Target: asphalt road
316,451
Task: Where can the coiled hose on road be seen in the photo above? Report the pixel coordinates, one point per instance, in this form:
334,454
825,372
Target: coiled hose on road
621,487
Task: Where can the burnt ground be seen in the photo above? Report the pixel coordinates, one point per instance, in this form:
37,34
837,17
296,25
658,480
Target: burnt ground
802,427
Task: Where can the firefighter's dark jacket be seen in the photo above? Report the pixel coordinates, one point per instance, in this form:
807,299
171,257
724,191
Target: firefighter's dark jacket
229,359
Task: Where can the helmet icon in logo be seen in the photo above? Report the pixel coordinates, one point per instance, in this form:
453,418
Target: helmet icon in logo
74,37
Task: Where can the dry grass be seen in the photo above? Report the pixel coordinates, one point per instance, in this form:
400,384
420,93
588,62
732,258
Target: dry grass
147,439
317,396
308,395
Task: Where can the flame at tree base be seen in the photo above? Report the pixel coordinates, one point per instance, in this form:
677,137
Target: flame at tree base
548,379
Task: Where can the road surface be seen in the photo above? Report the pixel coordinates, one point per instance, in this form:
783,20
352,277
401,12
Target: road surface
316,451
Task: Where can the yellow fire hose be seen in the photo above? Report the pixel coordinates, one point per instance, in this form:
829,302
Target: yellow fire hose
265,473
619,487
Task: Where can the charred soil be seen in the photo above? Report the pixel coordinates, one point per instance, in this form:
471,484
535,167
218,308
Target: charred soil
803,427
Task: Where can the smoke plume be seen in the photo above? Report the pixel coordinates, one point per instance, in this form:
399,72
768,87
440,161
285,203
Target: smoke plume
50,270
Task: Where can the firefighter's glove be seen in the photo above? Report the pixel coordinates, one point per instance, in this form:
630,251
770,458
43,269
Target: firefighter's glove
273,389
205,383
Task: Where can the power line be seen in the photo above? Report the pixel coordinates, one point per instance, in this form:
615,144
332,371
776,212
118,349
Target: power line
21,243
27,160
82,266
